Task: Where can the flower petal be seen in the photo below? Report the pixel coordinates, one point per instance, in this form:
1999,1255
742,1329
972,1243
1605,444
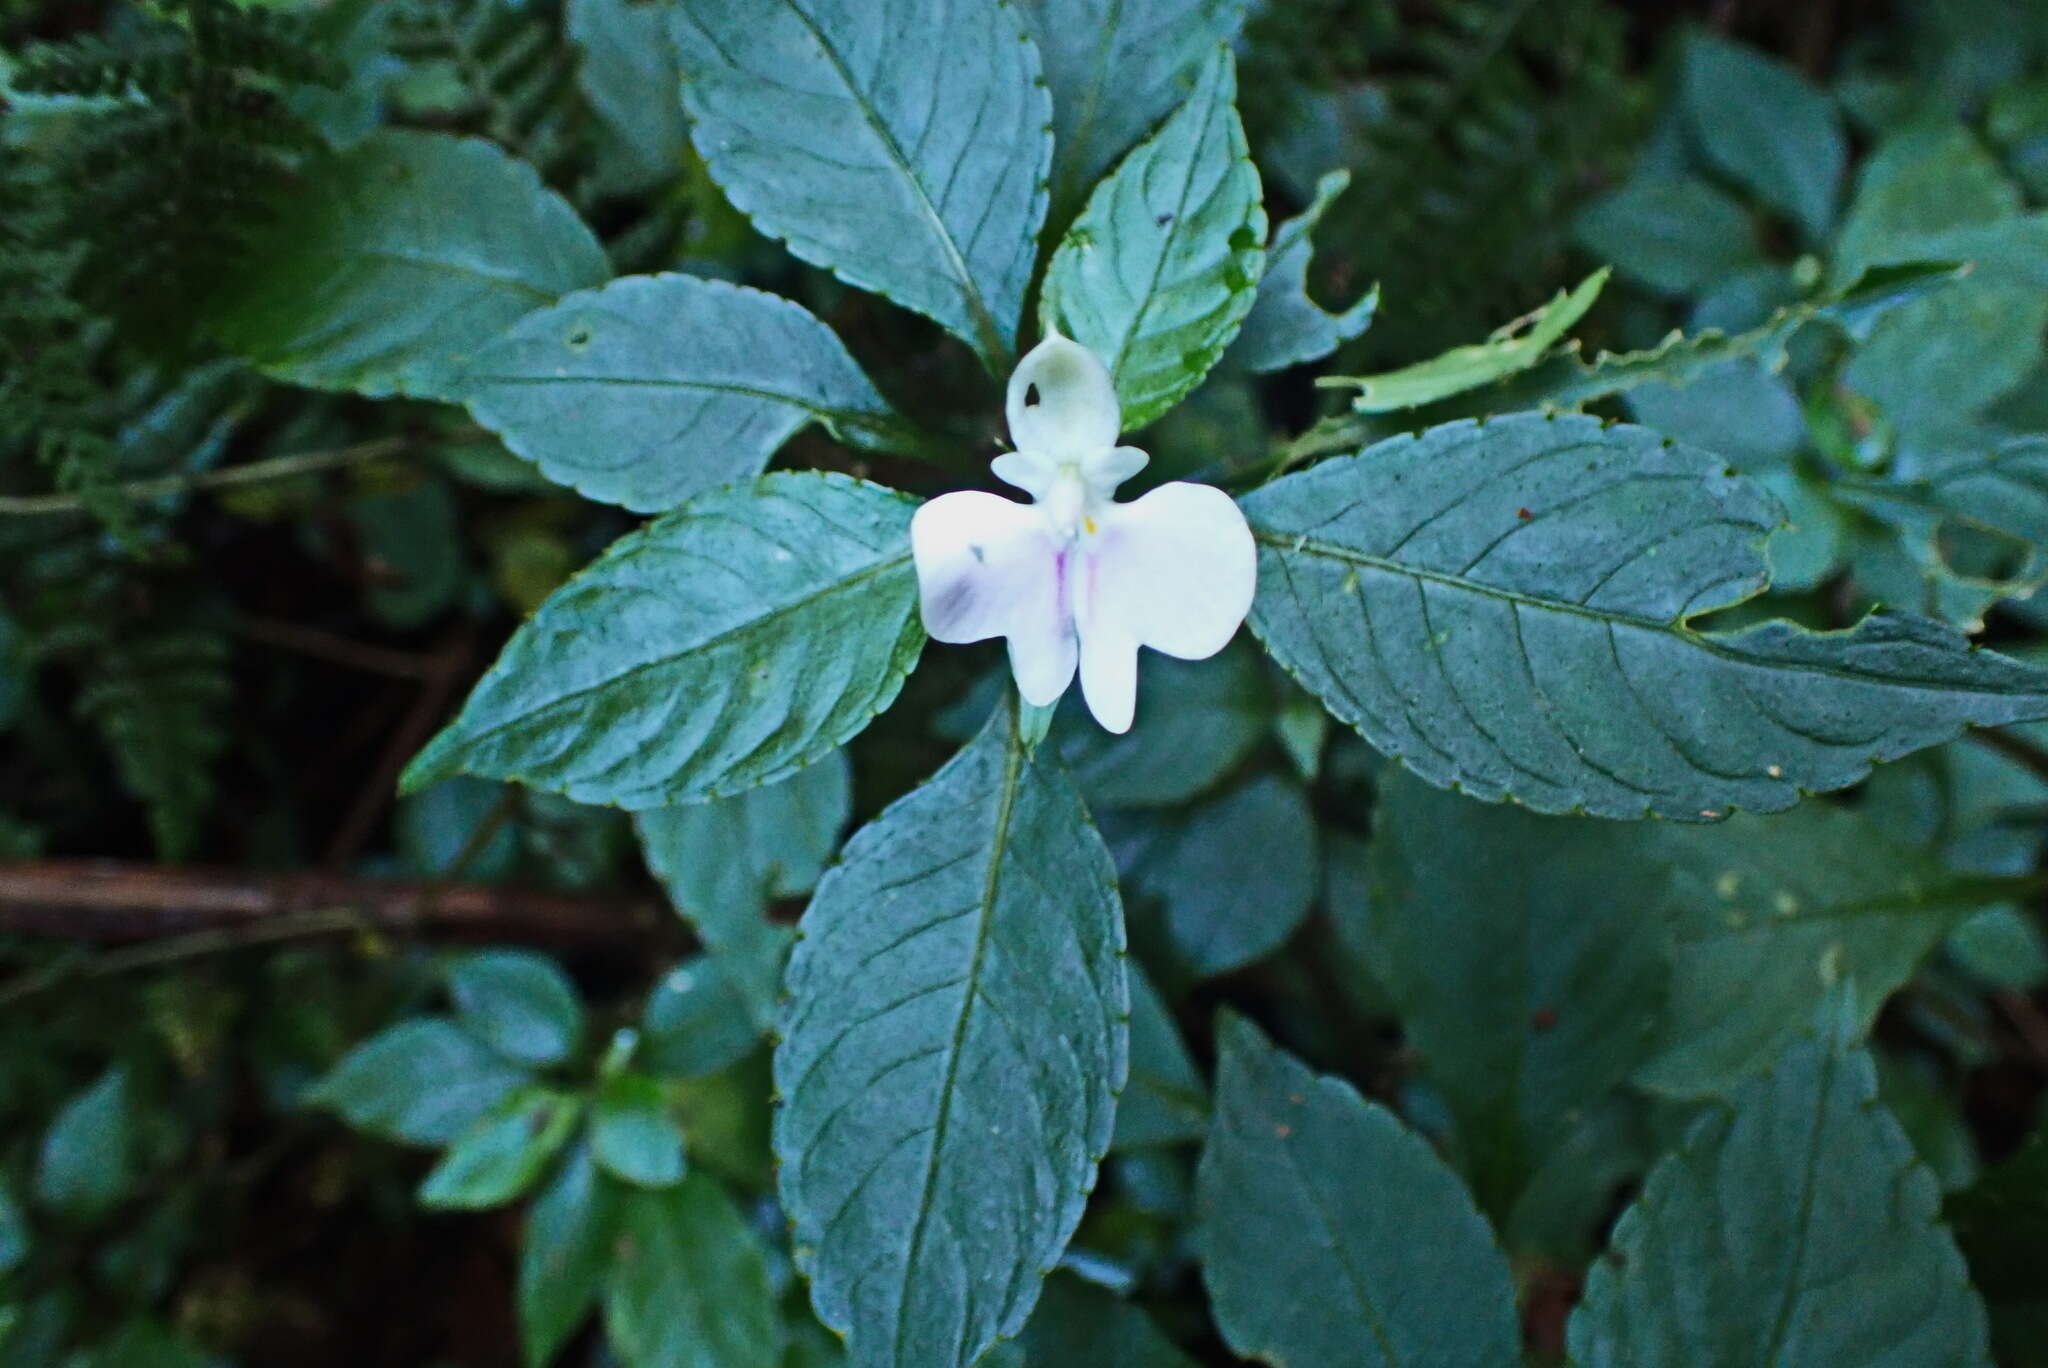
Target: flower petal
1174,571
1062,403
986,567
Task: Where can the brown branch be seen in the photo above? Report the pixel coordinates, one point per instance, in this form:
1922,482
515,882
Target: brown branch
106,900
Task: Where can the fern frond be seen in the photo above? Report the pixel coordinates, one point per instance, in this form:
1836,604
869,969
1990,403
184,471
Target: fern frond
159,704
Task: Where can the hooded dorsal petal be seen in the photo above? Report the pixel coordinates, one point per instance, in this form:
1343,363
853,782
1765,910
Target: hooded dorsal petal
1062,403
1107,469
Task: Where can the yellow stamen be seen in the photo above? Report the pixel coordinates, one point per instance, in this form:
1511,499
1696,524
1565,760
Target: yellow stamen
1089,523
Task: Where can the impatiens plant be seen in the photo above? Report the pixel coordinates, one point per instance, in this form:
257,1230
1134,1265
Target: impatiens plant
1549,652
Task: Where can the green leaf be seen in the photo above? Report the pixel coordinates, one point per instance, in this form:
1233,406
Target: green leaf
1672,233
423,1081
435,826
1165,1101
951,1056
690,1285
1506,607
1115,69
722,862
15,1236
519,1003
570,1234
656,388
697,1022
628,74
1526,960
1233,876
387,266
1163,264
1793,1227
1759,121
722,646
901,144
1080,1326
86,1164
2001,1223
1331,1235
1197,720
1517,346
633,1133
1771,913
502,1155
1927,178
1285,327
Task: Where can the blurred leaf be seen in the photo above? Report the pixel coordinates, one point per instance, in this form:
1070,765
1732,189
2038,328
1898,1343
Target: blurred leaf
1115,70
1563,1210
1233,875
571,1231
723,861
1673,234
1506,607
388,265
502,1154
1285,327
1735,408
1759,121
697,1022
1079,1326
423,1081
1311,1202
951,1056
624,688
1526,959
412,548
2018,122
1513,347
15,1236
1165,1102
633,1134
145,1343
1163,264
435,825
1773,913
903,147
1803,1229
689,1288
86,1163
654,389
1196,722
519,1003
629,75
1930,1117
2001,1223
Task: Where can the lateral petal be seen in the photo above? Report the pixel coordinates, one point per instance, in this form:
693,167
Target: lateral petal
989,567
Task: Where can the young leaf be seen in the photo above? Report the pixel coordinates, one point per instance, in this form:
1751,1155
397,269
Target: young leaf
1115,69
901,144
1165,1101
722,861
1526,958
1285,327
390,264
86,1162
1793,1228
657,388
1769,914
1515,347
722,646
1078,1325
422,1081
633,1135
1163,264
1505,607
951,1056
1331,1235
1759,121
500,1156
570,1233
690,1286
519,1004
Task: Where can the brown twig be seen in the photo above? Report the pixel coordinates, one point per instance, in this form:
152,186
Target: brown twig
282,467
337,650
111,900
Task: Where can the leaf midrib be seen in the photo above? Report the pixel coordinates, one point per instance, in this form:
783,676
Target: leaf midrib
989,339
1013,763
1300,543
680,383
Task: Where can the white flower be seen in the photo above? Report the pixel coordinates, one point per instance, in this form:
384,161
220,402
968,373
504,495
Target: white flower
1073,578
